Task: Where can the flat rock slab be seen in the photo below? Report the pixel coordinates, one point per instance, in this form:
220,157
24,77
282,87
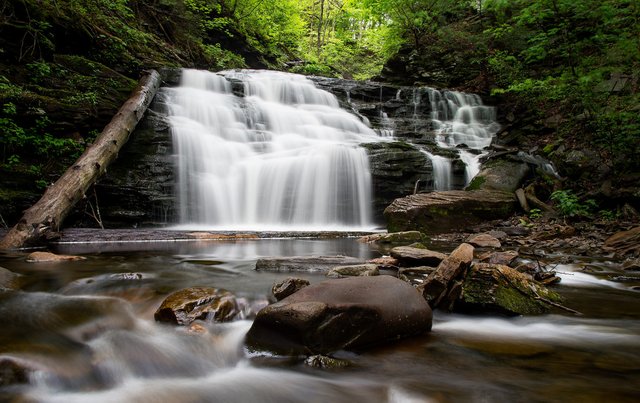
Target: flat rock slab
308,264
354,271
453,210
349,313
410,256
484,241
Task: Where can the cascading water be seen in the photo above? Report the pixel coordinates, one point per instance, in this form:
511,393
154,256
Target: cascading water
462,119
284,156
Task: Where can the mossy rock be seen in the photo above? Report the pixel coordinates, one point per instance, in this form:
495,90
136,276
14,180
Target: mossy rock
494,288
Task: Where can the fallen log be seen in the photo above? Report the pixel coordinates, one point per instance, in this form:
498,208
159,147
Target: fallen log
47,215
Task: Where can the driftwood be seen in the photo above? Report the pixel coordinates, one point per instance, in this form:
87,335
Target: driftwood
47,215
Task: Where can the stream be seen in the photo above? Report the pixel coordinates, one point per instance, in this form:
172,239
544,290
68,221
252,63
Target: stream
86,330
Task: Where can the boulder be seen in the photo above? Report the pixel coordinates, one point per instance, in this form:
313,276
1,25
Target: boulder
308,264
453,210
412,256
494,288
354,271
287,287
437,285
204,303
350,313
47,257
500,174
484,241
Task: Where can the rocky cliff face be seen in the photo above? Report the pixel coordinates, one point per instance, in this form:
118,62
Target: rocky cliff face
138,189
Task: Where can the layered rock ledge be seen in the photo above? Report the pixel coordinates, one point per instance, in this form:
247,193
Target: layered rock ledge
454,210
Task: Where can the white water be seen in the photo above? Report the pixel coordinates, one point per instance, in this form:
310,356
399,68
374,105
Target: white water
462,119
441,170
283,157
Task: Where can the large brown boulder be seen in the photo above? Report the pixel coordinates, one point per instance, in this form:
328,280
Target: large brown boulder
350,313
452,210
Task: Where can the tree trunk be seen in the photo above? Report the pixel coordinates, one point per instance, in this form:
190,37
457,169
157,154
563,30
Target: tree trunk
49,212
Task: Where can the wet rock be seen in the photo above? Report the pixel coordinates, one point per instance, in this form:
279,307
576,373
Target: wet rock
13,372
354,271
326,362
448,211
304,263
204,303
494,288
395,168
554,232
288,286
624,242
412,256
500,174
44,257
384,261
631,264
70,318
504,258
350,313
500,235
436,286
9,280
405,237
484,241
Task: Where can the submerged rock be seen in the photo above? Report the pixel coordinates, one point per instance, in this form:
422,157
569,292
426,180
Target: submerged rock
501,289
288,286
205,303
326,362
304,263
349,313
8,279
43,257
448,211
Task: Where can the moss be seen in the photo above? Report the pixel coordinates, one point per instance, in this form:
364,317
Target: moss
476,183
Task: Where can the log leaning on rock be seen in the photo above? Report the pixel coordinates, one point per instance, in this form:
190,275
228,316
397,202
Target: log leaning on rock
59,199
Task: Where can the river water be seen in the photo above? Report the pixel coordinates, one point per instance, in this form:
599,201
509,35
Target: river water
86,329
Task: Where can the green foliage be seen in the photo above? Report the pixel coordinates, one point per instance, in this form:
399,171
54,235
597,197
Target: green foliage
535,213
570,206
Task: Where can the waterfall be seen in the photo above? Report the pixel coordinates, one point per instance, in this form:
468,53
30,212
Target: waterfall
442,171
461,119
283,156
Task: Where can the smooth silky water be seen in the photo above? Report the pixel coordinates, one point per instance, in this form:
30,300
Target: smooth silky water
87,330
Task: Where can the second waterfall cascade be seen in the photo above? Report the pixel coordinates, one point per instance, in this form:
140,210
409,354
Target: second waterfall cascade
282,157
